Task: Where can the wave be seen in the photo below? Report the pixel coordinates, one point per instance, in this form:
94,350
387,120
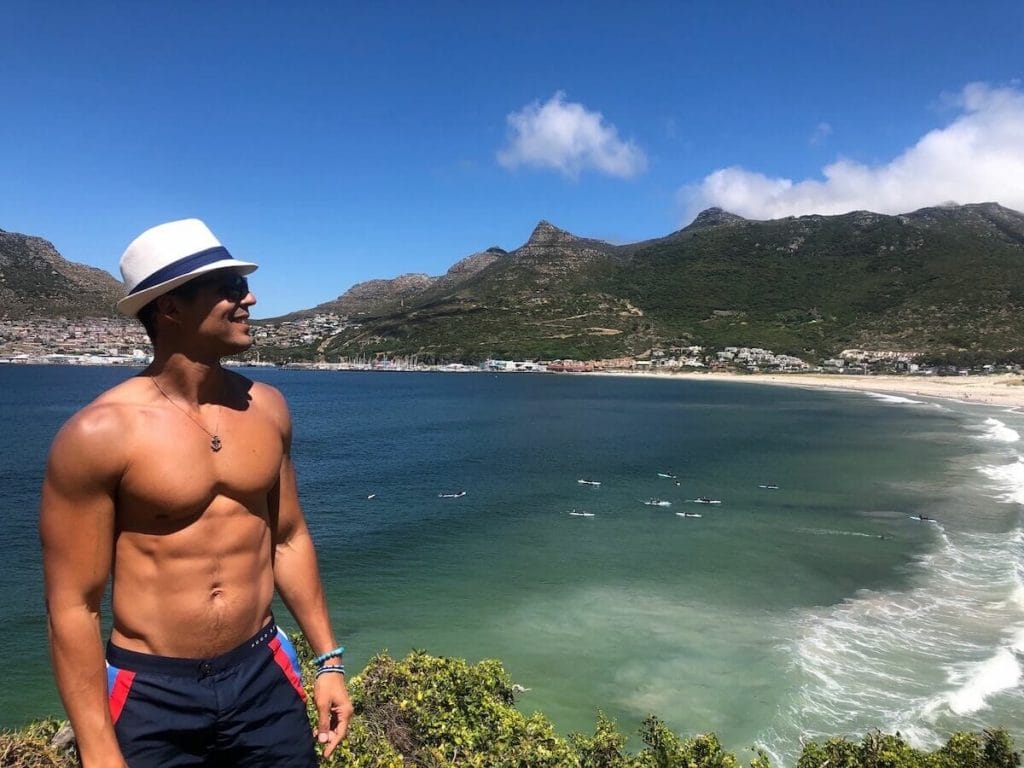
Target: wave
997,431
1008,478
894,399
980,680
945,653
832,532
920,660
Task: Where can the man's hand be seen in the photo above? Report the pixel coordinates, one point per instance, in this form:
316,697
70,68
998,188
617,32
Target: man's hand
335,709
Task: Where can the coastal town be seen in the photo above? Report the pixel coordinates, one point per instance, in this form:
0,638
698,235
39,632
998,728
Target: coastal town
122,341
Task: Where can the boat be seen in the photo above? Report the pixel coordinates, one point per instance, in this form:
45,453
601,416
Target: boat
666,475
581,481
689,514
574,513
705,500
769,486
657,503
458,495
371,496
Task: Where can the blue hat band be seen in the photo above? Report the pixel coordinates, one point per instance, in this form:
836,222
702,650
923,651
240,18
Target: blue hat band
183,267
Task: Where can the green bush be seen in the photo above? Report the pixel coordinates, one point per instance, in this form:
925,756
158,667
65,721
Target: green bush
993,749
435,712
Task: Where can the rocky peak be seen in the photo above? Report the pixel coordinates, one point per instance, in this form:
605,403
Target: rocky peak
715,217
383,290
475,262
546,233
1005,220
553,251
865,219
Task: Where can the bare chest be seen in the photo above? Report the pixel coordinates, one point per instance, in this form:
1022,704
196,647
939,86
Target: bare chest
175,475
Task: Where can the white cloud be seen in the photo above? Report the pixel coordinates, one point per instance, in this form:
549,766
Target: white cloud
978,157
568,138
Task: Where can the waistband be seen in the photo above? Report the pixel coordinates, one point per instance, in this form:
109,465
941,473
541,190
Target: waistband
122,658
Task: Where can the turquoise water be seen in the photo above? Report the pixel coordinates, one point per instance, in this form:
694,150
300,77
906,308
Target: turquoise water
820,607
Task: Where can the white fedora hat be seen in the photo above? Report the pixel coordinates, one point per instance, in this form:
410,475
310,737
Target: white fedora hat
168,255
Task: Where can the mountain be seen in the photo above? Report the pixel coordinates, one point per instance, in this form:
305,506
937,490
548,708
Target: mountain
374,296
943,280
37,282
939,279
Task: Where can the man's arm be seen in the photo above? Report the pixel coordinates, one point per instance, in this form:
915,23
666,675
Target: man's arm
76,526
297,578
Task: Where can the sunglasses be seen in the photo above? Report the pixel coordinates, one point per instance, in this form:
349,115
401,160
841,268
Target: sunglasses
230,286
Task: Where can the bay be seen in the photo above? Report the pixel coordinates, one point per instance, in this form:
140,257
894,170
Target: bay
819,607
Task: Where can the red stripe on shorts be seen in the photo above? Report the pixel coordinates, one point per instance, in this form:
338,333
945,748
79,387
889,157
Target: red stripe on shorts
285,663
119,692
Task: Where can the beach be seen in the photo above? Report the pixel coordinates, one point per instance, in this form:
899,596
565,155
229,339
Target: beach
1005,390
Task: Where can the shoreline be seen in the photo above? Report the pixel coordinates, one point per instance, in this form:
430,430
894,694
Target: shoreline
1004,390
999,390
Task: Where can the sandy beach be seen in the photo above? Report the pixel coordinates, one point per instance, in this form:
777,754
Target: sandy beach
1005,390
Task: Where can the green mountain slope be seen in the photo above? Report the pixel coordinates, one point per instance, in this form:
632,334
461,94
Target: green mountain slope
932,280
938,279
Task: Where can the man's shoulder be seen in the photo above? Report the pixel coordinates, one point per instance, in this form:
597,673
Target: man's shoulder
262,394
261,400
102,425
116,404
119,403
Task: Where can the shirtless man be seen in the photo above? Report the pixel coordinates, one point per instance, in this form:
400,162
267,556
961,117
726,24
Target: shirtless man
178,485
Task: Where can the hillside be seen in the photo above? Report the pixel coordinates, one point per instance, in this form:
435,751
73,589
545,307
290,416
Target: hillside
373,296
37,282
935,280
939,281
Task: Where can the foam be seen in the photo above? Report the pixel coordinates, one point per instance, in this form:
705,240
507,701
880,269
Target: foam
1017,598
999,672
910,660
944,653
1008,478
832,532
894,399
997,431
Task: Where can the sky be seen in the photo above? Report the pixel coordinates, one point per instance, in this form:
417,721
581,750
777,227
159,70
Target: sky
338,142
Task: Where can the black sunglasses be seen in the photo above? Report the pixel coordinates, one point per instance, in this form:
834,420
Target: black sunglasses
230,285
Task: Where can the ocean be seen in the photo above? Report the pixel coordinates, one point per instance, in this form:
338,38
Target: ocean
812,601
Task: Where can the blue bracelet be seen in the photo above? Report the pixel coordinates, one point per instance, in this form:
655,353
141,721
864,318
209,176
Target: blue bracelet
335,654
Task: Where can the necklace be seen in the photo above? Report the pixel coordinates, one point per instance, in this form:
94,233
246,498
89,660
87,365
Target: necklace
215,444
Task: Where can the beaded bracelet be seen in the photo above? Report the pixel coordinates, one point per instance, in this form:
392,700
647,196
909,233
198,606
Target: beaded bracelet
335,654
339,668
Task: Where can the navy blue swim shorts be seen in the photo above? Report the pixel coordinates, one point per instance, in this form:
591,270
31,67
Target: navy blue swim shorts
246,707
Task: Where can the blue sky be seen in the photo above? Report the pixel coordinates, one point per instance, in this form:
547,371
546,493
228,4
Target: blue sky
338,142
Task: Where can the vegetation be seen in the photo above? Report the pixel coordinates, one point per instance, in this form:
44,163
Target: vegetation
34,747
431,712
942,281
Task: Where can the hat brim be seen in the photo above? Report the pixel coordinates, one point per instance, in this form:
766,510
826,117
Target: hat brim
132,303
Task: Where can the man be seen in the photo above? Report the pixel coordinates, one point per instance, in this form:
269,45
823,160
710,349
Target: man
178,484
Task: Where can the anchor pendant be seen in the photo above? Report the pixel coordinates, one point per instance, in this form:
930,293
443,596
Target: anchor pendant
215,444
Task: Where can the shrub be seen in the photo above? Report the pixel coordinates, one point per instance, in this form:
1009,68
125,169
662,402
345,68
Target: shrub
33,747
434,712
